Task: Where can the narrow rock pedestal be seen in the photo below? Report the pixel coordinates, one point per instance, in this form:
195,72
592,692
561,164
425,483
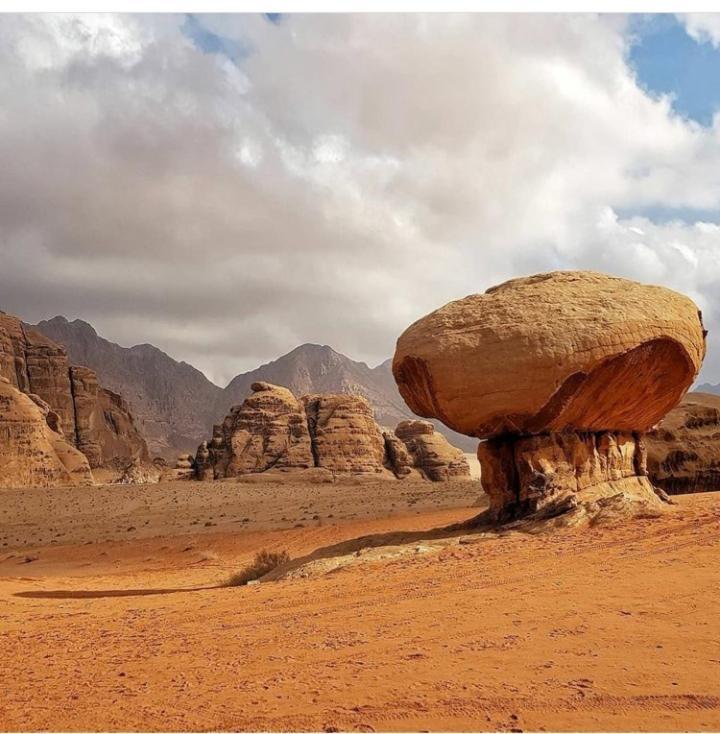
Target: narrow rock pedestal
526,474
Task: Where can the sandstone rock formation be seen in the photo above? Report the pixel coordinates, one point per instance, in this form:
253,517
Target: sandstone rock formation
429,451
32,454
565,350
174,403
93,419
562,372
332,434
399,459
268,431
684,449
343,433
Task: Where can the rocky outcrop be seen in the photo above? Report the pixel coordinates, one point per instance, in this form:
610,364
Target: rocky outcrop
94,420
272,431
343,433
399,459
32,454
684,450
429,452
268,431
35,364
562,373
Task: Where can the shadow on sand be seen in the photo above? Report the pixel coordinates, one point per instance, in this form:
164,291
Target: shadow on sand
107,593
477,523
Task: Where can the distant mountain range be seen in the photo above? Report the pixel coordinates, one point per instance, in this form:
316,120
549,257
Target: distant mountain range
706,387
176,405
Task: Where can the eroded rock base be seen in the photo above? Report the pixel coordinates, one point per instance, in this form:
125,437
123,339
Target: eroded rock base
558,472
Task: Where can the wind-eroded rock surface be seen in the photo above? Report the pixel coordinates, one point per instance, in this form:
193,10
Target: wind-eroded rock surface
561,372
344,435
429,451
269,430
684,450
274,431
94,420
552,352
32,454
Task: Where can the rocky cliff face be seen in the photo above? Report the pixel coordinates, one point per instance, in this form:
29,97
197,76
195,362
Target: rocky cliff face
173,403
32,453
561,372
274,431
90,418
684,450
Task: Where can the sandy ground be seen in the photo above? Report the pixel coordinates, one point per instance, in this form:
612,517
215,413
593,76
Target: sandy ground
36,517
584,629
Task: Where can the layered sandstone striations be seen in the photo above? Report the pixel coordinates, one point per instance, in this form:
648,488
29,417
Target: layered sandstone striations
93,419
684,450
274,431
562,372
268,431
32,453
429,452
343,433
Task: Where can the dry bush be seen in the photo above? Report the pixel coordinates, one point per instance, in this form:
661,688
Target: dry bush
264,562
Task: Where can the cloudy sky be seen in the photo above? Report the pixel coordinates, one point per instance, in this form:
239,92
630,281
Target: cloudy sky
228,187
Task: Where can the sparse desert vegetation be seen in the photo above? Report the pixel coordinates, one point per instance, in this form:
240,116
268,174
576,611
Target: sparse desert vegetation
264,562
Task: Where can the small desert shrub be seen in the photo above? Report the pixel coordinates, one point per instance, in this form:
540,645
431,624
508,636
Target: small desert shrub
263,563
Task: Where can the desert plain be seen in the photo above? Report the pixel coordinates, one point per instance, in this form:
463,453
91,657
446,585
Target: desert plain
114,613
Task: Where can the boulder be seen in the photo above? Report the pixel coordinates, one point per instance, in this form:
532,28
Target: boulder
32,454
558,351
344,435
139,472
431,453
561,373
684,449
203,465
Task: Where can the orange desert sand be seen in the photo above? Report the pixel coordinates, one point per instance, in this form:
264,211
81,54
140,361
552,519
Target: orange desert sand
600,628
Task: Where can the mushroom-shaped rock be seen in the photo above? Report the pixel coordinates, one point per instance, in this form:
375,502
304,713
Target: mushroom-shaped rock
565,350
562,373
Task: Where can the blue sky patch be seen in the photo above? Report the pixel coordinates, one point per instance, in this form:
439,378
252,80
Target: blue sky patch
667,60
666,214
212,43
